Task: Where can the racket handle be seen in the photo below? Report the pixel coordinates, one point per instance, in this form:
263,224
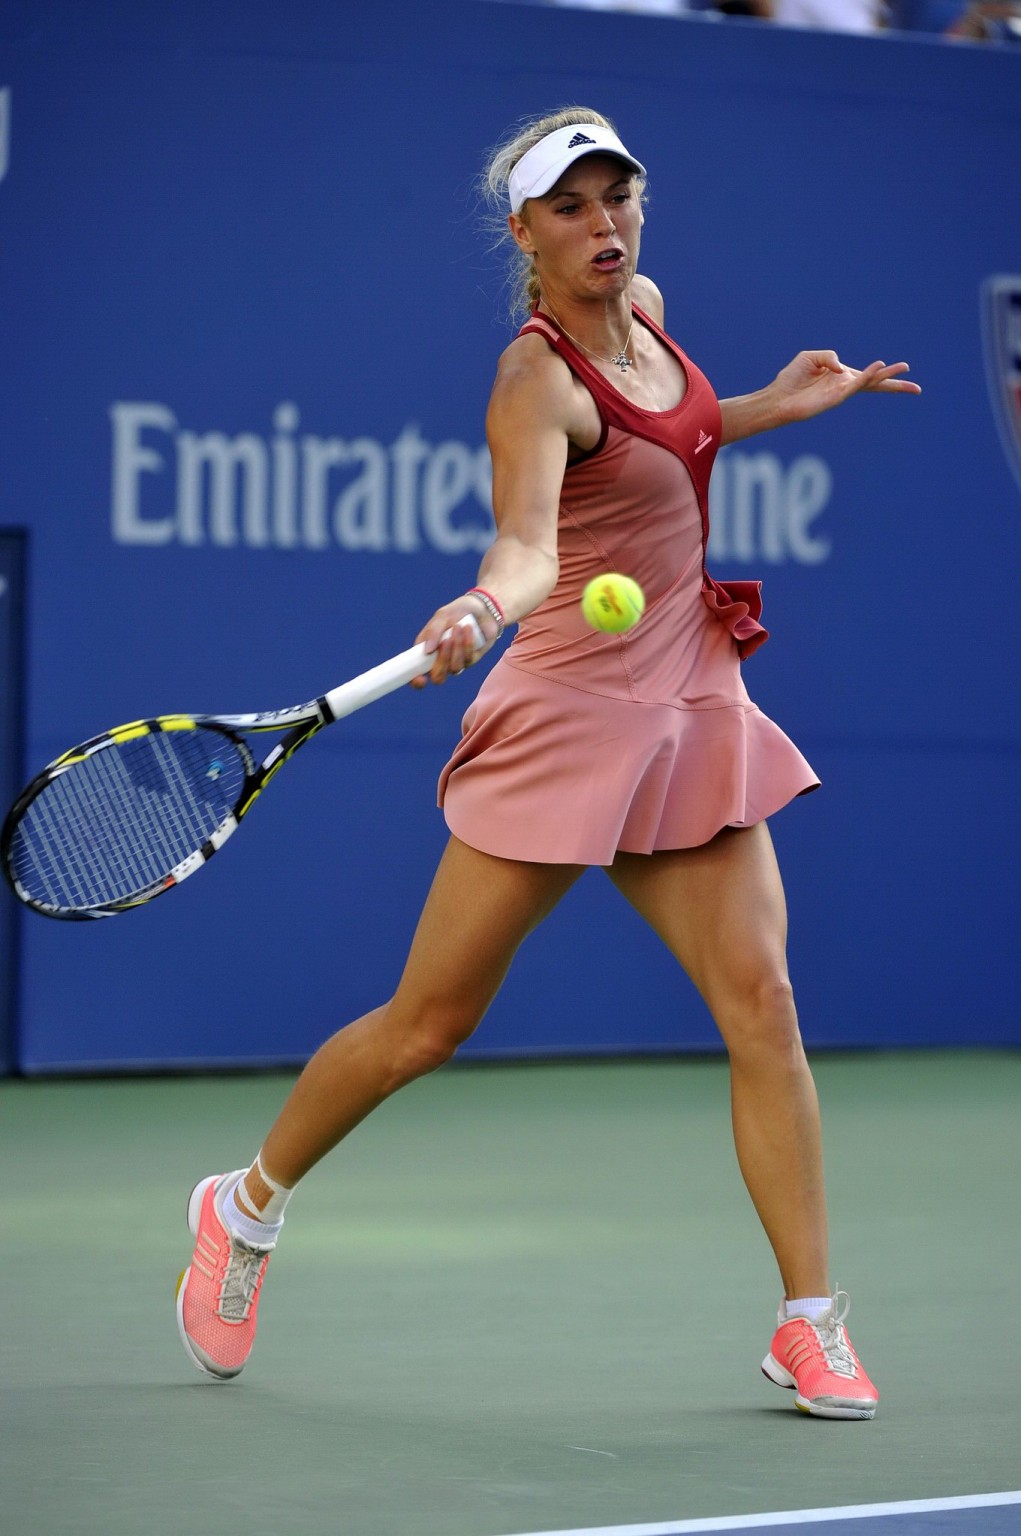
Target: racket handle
389,675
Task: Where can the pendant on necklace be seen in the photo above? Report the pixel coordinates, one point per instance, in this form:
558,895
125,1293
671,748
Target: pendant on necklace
622,361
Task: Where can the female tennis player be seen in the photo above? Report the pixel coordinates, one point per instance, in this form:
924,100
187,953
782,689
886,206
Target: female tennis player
641,753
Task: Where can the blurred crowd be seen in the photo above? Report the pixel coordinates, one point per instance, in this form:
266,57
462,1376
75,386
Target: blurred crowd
981,21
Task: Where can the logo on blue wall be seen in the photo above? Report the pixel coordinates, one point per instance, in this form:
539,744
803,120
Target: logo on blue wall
1001,334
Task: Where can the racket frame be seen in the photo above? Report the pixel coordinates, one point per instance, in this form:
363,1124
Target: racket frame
300,722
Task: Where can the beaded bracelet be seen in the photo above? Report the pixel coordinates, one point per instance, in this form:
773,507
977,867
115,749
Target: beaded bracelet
491,606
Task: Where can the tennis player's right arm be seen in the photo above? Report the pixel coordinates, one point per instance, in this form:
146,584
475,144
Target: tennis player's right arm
527,427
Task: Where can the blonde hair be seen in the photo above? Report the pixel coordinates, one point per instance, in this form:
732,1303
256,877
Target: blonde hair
522,278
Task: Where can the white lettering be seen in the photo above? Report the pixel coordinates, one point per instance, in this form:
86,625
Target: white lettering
359,517
448,478
757,497
318,458
285,477
809,483
223,456
407,453
760,510
130,460
282,491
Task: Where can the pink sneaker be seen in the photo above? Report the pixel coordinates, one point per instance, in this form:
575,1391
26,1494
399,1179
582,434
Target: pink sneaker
817,1359
218,1294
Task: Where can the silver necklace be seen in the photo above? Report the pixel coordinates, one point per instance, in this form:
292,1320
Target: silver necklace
621,360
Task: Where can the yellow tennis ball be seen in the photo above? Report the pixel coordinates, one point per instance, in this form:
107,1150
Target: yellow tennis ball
613,603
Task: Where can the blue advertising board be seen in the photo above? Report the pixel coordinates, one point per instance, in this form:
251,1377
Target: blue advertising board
250,323
12,582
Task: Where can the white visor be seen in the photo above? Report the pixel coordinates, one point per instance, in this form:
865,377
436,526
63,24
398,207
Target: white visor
544,164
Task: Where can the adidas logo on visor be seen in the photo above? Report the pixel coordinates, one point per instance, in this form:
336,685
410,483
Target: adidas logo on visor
539,167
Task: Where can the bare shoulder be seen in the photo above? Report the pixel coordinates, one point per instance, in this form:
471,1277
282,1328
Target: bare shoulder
532,384
530,363
648,297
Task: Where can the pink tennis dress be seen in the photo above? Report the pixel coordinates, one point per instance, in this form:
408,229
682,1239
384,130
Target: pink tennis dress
581,744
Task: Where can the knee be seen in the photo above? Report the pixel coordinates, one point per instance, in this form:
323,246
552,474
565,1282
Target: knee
427,1041
759,1016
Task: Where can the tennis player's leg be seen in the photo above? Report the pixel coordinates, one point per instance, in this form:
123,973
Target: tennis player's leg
721,911
477,913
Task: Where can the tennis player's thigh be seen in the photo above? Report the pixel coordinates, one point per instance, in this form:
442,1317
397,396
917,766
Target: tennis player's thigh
719,908
477,913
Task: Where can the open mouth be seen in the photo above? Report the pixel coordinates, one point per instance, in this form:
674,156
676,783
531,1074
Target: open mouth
608,259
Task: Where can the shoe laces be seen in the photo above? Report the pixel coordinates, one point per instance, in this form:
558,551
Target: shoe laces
833,1337
242,1277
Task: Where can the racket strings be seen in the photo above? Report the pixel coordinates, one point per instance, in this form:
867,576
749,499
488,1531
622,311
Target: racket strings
122,818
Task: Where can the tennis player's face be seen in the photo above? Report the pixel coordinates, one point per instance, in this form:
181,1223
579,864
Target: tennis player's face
585,234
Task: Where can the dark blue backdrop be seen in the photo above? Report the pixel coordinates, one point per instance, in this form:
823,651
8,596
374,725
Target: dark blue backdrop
249,326
12,584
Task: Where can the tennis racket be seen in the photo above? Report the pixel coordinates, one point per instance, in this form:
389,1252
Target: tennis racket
133,812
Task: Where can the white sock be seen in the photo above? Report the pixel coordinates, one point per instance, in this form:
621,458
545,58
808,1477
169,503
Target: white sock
812,1307
263,1234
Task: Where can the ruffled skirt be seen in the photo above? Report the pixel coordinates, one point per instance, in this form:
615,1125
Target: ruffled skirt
548,773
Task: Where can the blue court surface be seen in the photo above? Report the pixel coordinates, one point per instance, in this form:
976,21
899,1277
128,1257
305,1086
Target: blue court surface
984,1514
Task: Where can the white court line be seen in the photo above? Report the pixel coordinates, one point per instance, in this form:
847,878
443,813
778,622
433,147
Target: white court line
791,1517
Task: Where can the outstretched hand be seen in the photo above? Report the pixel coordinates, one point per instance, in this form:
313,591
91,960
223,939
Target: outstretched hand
817,381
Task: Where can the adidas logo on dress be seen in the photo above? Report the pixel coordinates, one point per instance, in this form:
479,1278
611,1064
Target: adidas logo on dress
703,440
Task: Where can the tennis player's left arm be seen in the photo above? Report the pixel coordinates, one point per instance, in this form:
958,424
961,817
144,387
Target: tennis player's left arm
811,383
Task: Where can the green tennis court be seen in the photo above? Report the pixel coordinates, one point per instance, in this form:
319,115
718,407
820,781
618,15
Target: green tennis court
521,1299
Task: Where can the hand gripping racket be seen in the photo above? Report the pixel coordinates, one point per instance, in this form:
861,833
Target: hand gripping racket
133,812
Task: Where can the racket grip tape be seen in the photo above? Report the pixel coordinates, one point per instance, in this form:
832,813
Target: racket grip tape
389,675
